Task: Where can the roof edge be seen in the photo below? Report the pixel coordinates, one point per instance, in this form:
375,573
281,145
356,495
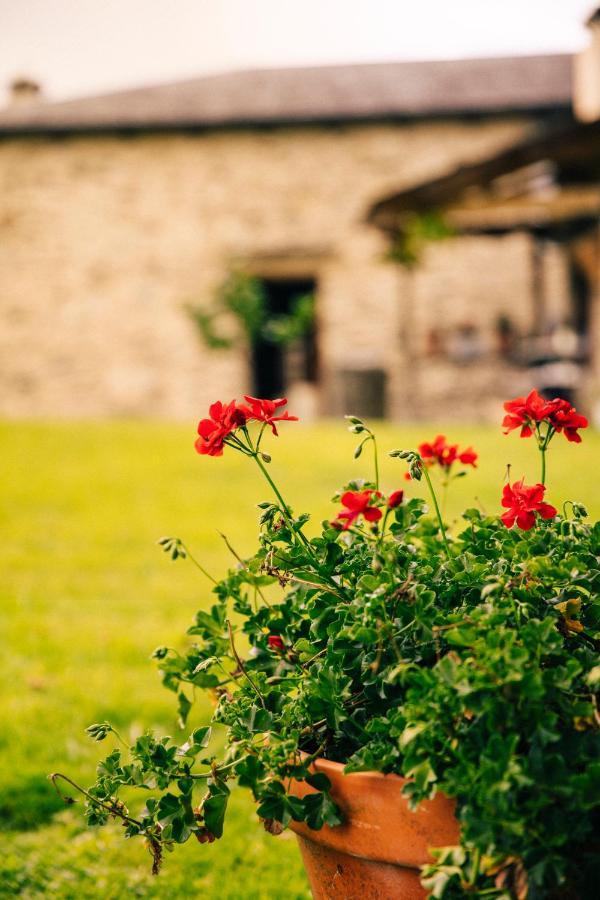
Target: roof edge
36,129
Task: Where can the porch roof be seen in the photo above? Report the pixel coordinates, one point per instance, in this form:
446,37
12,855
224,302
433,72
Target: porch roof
547,180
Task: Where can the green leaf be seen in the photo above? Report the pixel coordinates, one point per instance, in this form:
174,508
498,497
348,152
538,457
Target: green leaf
319,810
201,736
169,806
183,708
214,809
319,781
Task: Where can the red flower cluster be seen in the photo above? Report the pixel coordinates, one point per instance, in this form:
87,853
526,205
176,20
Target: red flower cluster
225,418
445,454
264,411
522,502
440,452
357,504
527,413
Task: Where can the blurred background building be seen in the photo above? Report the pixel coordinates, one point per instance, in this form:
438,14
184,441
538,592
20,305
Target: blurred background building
442,216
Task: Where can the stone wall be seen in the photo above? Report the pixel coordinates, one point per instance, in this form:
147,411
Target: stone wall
103,240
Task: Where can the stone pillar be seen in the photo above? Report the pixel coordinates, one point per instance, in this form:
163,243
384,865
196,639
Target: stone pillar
586,75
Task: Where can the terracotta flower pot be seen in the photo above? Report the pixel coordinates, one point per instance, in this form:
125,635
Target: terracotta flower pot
377,852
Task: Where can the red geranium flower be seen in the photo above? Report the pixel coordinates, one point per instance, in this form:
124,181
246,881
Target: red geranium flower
468,457
444,454
357,504
565,417
395,499
522,502
528,412
275,642
224,418
525,412
264,411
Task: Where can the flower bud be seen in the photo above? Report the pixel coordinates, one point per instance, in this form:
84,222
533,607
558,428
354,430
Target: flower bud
415,469
99,731
395,499
204,836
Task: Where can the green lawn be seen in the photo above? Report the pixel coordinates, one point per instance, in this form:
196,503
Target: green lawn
87,595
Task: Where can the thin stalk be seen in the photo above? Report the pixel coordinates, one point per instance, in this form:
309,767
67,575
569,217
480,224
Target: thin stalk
437,510
543,446
475,866
212,773
197,564
284,506
119,738
260,436
376,461
362,534
543,455
315,584
288,516
255,688
381,534
233,441
321,587
274,488
88,796
244,566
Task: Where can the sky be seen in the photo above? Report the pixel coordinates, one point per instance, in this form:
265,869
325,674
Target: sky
82,47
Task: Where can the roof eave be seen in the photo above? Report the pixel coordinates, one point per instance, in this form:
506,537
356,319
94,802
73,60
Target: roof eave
24,129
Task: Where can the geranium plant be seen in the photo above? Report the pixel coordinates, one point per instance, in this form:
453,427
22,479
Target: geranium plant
464,660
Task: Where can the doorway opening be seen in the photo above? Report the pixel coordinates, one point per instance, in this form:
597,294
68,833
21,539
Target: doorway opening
279,361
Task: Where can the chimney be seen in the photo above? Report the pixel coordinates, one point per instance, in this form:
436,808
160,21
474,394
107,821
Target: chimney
24,91
586,74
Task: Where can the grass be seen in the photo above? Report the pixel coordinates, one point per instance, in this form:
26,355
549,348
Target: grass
87,595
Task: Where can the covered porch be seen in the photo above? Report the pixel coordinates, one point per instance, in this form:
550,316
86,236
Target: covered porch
544,192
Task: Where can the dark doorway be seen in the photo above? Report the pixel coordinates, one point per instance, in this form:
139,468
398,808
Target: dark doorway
276,364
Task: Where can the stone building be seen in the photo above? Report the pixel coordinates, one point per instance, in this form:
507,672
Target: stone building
117,212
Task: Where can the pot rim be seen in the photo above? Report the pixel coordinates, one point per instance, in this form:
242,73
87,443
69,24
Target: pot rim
378,822
337,768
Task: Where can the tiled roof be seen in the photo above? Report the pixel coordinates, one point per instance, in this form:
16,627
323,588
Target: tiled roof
318,94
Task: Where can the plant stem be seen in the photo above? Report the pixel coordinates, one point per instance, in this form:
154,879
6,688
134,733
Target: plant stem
290,521
243,668
200,775
283,504
437,509
274,488
197,564
381,535
543,446
376,460
475,866
110,809
321,587
543,455
244,566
